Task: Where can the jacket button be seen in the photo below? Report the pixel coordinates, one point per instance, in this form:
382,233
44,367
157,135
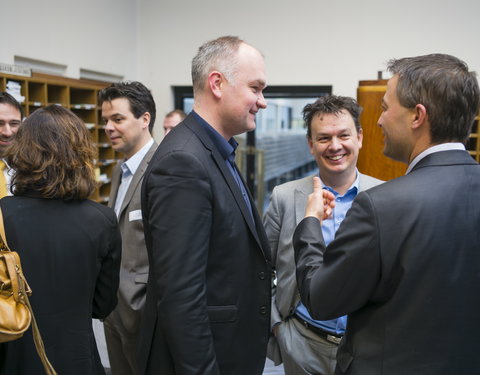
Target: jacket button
263,310
261,275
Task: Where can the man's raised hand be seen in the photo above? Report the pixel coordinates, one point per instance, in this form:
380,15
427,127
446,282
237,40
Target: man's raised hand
321,202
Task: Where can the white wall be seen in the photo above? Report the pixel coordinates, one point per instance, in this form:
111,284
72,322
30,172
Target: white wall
98,35
305,42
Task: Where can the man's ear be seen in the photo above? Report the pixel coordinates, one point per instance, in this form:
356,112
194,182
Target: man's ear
310,145
420,116
146,119
360,137
215,81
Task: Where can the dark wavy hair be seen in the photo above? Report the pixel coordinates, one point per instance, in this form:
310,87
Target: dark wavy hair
331,104
53,155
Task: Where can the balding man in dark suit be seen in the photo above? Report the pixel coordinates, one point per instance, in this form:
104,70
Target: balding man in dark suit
208,294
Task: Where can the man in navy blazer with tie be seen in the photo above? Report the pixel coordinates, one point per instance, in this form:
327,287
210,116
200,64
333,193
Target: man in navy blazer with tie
405,263
208,293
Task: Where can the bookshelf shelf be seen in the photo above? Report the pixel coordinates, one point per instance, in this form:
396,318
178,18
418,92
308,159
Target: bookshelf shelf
80,96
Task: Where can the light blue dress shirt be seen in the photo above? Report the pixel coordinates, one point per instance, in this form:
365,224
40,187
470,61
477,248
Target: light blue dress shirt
129,167
329,228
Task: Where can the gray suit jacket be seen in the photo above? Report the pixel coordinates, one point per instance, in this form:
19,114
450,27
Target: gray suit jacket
286,210
405,267
134,266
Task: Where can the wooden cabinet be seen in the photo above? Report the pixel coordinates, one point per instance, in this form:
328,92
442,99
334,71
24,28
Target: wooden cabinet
371,160
473,144
80,96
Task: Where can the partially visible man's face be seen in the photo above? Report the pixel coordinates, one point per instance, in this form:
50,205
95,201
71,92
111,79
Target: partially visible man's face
395,122
170,122
126,133
243,98
10,121
335,144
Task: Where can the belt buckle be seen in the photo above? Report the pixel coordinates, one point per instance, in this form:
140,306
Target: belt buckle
334,339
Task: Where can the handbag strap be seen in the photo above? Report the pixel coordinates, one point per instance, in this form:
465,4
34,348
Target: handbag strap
37,337
2,231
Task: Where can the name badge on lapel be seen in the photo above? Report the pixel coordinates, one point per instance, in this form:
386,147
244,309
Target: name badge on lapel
135,215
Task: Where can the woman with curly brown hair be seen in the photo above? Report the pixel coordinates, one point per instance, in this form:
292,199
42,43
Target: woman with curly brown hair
69,246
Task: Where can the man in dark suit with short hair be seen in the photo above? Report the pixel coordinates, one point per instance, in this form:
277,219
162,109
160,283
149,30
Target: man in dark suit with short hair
208,294
405,263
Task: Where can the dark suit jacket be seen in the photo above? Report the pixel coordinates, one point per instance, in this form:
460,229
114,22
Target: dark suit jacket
134,267
208,293
70,254
405,267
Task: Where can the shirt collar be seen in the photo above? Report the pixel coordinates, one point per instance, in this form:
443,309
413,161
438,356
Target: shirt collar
352,189
441,147
134,161
226,148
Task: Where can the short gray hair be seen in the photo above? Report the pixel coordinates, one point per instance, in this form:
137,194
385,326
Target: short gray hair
218,54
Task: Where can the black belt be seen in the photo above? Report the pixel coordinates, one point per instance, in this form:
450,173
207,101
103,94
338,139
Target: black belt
330,337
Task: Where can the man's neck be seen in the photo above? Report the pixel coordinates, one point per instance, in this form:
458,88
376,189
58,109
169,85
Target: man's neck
139,146
432,149
340,182
211,119
418,148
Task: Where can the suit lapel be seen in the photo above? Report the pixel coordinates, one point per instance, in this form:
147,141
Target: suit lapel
237,194
116,177
191,123
300,197
302,192
362,183
137,177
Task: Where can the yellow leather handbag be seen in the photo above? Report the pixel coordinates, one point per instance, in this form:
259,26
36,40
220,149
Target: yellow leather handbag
16,313
15,316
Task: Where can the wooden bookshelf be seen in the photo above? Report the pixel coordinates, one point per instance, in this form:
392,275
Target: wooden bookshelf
473,144
81,97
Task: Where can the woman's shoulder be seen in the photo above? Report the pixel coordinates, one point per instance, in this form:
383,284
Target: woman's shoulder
102,210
